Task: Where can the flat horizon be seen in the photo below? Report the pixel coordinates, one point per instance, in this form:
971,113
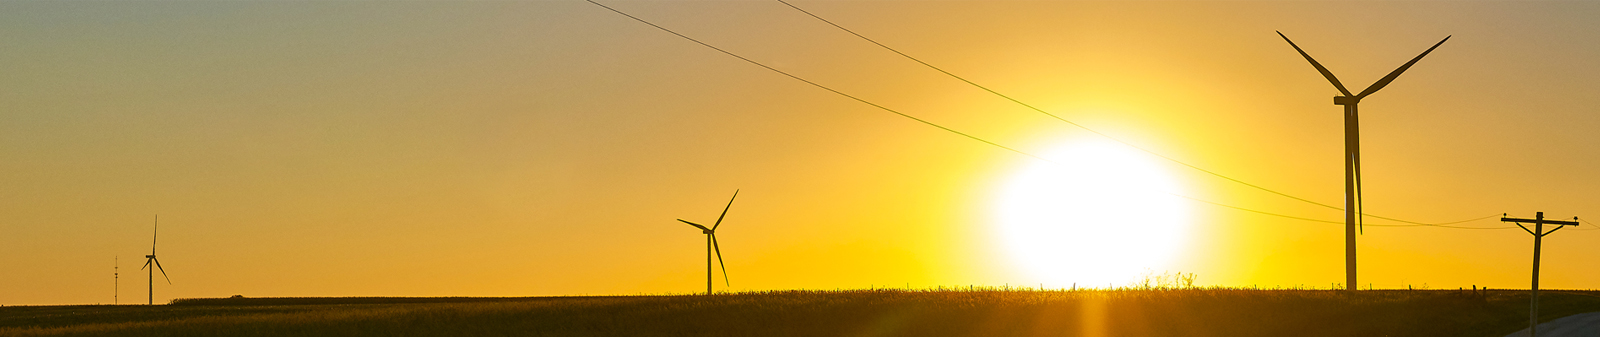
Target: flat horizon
550,148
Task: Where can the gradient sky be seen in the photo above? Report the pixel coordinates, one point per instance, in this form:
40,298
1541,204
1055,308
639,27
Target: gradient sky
511,148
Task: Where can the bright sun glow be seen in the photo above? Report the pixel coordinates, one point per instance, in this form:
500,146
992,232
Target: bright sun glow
1099,215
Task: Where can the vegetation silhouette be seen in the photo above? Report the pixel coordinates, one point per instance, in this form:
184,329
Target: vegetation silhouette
980,311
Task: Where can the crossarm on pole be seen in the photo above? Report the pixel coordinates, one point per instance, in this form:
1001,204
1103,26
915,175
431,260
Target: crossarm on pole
1525,229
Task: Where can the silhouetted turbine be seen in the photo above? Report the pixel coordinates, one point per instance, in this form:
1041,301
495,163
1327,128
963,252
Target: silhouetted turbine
711,244
1352,151
151,259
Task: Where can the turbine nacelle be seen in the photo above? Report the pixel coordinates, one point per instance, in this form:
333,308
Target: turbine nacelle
1346,100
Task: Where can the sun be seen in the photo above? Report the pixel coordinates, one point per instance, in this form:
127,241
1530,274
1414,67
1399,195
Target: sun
1102,213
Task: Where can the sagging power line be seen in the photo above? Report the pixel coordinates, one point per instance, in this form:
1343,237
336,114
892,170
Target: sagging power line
1591,224
1097,132
985,141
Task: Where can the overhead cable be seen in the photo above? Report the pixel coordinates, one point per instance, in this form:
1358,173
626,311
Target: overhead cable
1445,225
798,78
1091,130
969,136
1591,227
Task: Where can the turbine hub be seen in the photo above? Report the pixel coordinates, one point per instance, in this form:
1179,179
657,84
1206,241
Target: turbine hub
1345,100
149,256
705,231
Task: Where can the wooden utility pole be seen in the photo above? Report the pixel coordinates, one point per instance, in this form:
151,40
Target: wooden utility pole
1538,235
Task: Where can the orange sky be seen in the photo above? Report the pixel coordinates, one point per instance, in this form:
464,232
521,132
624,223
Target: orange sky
545,147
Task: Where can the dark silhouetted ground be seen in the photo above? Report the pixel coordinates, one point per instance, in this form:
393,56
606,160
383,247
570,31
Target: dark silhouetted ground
1190,312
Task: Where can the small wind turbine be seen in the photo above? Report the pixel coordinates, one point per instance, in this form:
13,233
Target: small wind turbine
1352,151
711,244
151,259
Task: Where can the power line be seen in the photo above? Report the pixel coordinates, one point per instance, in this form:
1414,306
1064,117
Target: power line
759,64
1449,226
976,138
1046,113
1591,224
1091,130
1258,211
1444,225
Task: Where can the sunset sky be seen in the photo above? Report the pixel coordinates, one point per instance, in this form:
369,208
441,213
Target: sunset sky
531,148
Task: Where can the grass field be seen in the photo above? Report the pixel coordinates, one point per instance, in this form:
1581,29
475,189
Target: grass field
990,312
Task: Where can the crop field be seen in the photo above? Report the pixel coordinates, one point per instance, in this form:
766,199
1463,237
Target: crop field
945,312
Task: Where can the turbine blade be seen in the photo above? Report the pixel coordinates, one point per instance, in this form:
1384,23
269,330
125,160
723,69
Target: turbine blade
719,259
153,234
146,264
1360,215
163,271
694,224
725,210
1396,73
1320,68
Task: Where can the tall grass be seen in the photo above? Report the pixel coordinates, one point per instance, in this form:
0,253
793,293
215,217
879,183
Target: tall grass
877,312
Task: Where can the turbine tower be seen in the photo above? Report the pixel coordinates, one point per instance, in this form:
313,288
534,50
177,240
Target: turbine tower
151,259
1352,151
711,244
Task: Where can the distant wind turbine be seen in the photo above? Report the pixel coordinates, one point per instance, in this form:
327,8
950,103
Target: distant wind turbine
711,244
1352,151
151,259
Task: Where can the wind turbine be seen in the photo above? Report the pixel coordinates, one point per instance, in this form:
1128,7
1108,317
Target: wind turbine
151,259
1352,151
711,244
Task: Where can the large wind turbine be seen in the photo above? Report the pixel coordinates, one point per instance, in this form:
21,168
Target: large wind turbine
1352,151
151,259
711,243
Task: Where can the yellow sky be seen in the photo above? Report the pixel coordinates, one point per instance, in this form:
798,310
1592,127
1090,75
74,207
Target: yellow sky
545,147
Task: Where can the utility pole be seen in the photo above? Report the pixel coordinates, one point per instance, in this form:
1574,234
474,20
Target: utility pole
116,280
1538,235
